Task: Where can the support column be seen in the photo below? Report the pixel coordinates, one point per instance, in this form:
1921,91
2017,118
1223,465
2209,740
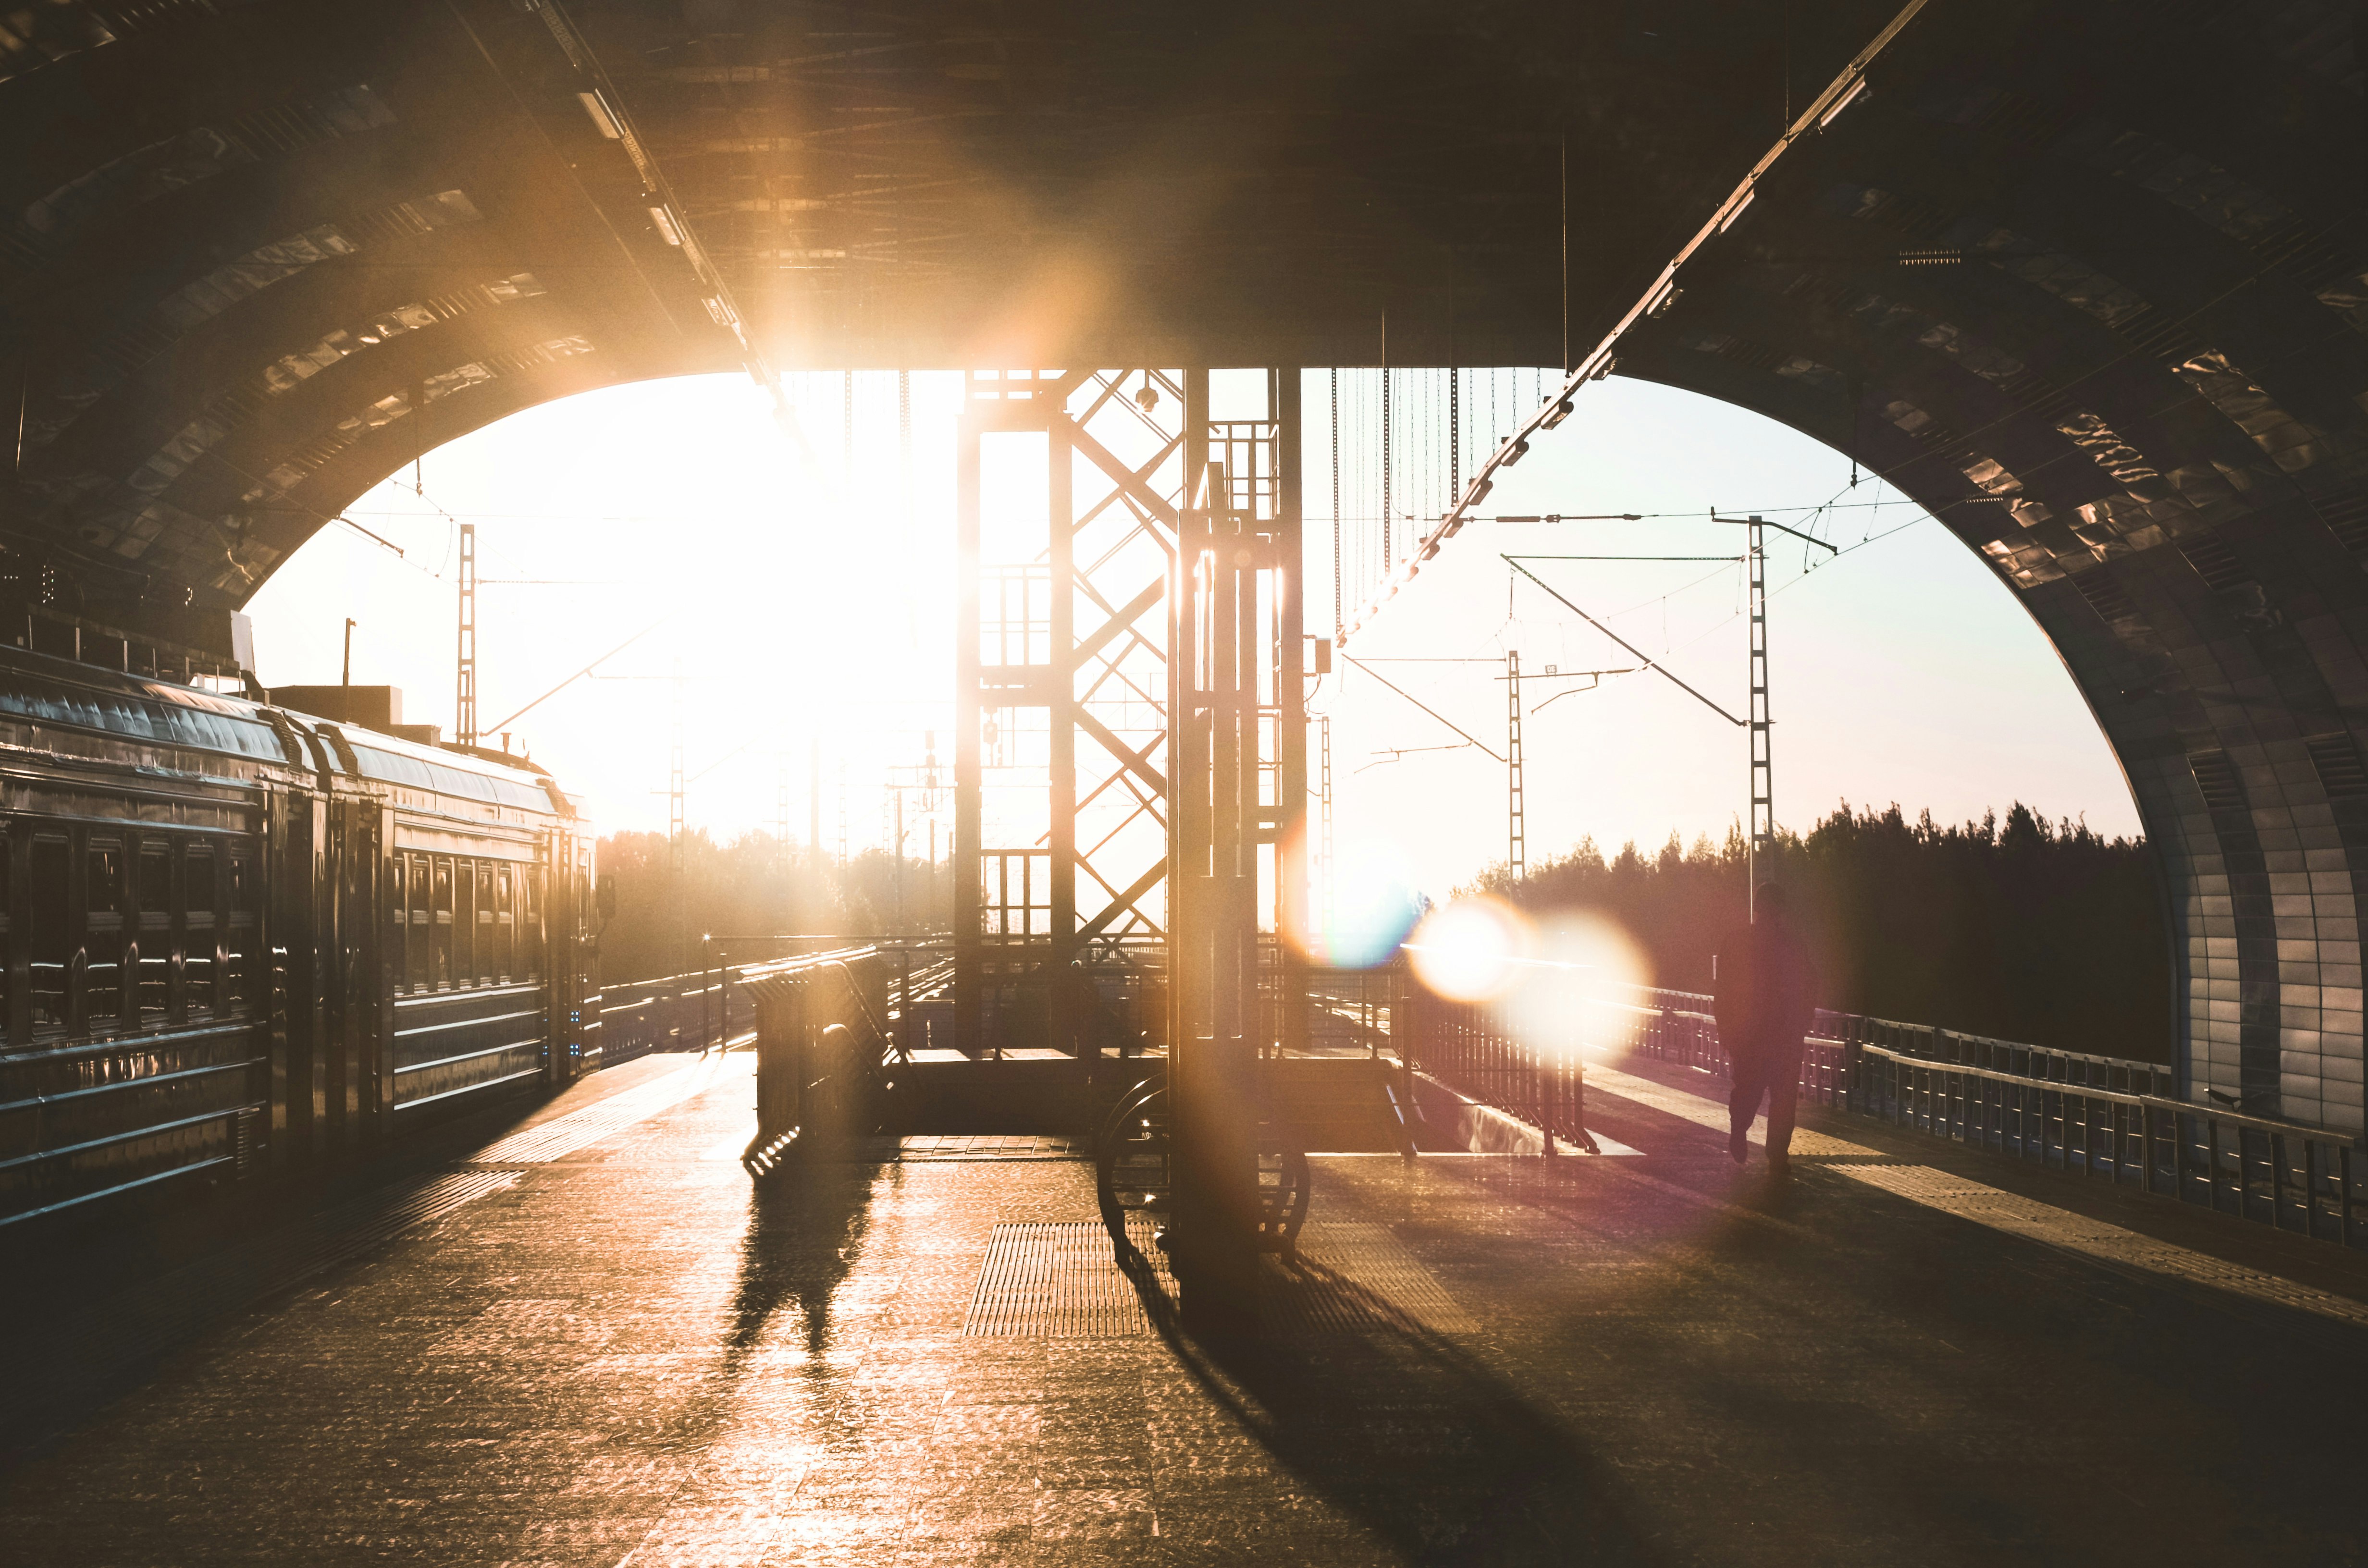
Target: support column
1061,697
1288,826
1237,794
969,823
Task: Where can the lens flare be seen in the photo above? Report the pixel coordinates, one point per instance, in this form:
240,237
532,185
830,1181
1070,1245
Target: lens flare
1581,988
1471,950
1367,912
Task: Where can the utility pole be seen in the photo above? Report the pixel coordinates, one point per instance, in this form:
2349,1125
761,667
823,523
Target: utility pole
1515,825
814,815
464,709
346,678
896,861
1763,807
781,810
842,816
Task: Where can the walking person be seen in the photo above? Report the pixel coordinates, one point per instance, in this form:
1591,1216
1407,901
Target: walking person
1766,996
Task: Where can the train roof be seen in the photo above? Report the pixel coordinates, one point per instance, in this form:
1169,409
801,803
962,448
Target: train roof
63,691
396,761
51,690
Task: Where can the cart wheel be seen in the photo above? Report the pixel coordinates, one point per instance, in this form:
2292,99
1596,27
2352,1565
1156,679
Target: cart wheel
1134,1175
1130,1164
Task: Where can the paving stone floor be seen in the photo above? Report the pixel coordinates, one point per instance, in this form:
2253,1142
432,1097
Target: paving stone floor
621,1351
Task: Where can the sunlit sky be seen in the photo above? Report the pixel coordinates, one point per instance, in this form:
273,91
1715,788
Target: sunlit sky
800,600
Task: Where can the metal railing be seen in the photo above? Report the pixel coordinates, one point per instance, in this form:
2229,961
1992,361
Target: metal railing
2109,1118
825,1050
712,1007
1471,1048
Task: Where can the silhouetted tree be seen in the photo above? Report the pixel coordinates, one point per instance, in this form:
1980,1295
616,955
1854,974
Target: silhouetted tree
750,886
2021,929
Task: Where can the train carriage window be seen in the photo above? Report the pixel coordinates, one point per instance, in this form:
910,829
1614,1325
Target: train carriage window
153,967
464,922
103,899
486,952
50,940
443,928
505,922
530,926
422,968
202,896
398,925
238,939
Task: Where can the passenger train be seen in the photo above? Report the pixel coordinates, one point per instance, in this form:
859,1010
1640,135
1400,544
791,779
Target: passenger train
240,939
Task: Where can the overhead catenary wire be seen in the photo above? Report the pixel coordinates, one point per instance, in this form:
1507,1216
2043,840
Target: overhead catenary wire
1654,300
1425,706
1650,662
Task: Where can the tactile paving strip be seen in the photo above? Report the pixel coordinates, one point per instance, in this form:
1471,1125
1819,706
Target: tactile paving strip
564,1135
1350,1275
2094,1238
1058,1280
106,1338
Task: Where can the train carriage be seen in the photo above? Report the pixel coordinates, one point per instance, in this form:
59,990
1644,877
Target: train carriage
238,937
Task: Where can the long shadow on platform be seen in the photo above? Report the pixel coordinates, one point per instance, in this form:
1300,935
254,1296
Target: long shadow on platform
807,1220
1401,1429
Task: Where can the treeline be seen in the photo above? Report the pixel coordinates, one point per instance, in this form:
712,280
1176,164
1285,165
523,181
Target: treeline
2016,928
751,887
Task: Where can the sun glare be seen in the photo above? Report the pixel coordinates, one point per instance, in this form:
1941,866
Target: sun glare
1473,949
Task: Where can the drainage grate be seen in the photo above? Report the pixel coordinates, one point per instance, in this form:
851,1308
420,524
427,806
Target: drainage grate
1057,1280
989,1146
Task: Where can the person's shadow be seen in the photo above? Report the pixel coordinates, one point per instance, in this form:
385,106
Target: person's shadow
1400,1427
807,1220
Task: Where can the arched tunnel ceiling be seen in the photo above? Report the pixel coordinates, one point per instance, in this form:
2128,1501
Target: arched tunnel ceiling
2089,279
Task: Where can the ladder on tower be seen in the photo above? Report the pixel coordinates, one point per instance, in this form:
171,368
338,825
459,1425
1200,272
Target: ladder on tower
1516,827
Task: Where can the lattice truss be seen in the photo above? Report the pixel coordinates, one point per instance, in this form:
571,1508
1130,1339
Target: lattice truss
1073,568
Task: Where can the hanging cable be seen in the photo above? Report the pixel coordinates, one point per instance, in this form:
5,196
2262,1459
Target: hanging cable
1335,506
1386,467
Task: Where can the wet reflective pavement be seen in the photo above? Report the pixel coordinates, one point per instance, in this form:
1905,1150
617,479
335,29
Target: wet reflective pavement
590,1340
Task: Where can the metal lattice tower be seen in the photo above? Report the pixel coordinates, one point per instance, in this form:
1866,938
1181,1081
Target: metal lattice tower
1516,827
464,710
1763,807
1062,651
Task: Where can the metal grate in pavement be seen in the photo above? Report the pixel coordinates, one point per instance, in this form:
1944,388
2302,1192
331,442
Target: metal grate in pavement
2040,1221
1350,1277
989,1146
564,1135
1057,1280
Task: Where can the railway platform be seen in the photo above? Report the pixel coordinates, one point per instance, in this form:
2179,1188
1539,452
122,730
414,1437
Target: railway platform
588,1337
